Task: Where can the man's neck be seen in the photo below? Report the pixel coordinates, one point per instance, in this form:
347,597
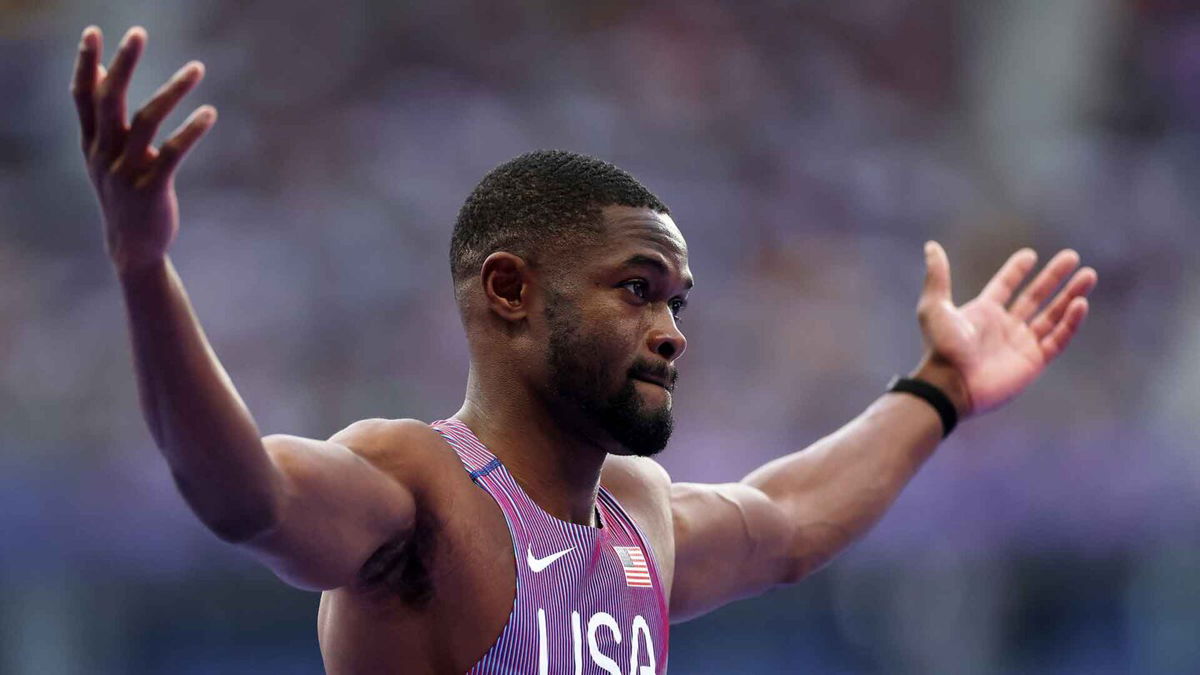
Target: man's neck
558,468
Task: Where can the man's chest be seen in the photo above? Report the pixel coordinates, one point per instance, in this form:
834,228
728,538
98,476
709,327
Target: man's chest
457,589
451,596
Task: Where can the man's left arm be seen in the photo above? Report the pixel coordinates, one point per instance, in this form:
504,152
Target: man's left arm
791,516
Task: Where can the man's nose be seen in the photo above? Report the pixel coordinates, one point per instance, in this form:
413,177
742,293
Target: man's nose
668,343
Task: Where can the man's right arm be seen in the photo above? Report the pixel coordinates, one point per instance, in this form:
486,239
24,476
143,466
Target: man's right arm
313,511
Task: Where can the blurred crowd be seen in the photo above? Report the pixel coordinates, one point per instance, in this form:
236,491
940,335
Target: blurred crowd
806,149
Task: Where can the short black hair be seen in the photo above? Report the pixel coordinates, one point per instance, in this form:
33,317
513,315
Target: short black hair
540,206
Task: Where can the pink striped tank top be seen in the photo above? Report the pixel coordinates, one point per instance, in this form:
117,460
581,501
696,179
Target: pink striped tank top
589,600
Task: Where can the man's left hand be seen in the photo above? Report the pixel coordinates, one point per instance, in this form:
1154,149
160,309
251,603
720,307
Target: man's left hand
993,348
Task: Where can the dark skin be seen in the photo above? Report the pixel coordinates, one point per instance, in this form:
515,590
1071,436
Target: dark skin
415,561
561,449
560,464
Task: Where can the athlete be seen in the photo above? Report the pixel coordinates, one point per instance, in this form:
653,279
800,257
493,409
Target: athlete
529,532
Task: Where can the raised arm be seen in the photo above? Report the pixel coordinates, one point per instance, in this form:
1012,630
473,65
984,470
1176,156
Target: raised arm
314,511
791,516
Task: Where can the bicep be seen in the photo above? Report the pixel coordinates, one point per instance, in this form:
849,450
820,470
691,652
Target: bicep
731,542
337,509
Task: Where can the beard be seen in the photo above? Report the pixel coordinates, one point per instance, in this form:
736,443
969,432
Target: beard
579,378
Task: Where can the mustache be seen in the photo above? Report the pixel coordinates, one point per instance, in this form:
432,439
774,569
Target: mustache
656,371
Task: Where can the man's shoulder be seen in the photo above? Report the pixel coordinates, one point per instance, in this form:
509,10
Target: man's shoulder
637,472
643,488
640,484
374,433
404,448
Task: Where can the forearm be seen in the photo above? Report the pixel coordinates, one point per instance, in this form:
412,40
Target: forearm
835,490
194,412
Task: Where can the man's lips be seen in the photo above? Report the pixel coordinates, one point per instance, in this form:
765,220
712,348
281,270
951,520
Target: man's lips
662,382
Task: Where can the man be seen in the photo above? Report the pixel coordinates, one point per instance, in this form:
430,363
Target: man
530,532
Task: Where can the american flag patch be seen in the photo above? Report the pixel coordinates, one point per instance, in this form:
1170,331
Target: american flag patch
633,561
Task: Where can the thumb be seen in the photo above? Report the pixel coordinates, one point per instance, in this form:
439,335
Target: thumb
937,275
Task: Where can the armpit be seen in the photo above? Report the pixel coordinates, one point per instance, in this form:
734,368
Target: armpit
401,566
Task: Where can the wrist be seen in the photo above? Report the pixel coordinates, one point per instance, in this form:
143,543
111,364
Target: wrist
947,378
129,269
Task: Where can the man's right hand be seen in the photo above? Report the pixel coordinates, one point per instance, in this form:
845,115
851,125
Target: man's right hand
134,181
313,511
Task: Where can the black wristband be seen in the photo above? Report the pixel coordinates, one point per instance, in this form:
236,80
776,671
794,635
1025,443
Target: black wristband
932,395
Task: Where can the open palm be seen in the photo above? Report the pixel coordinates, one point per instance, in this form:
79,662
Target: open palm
998,348
134,181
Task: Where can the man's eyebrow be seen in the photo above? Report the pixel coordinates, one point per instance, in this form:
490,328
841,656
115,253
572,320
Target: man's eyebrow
642,260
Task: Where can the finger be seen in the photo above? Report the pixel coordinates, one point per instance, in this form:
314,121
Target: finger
937,274
83,83
1002,285
182,140
1079,286
110,100
1051,276
147,120
1053,344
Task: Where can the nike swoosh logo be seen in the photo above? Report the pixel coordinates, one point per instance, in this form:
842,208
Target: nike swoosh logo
539,564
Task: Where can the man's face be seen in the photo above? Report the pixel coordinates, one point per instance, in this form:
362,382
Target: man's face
616,328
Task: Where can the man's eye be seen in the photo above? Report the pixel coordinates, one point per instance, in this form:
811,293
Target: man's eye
641,288
638,287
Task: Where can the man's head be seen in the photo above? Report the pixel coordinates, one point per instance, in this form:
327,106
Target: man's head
570,275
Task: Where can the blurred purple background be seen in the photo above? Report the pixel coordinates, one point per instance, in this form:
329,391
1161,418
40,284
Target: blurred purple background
807,149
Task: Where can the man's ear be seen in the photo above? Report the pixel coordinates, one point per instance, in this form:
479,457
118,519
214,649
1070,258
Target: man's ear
507,281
